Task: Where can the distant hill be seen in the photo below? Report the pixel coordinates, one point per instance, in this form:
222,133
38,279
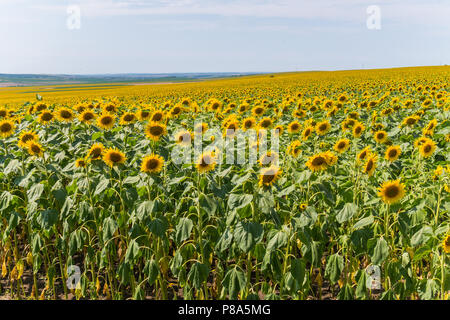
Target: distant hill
45,79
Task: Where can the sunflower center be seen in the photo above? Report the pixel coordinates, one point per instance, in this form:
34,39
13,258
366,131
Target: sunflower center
392,191
88,116
47,116
392,153
156,130
318,161
106,120
66,114
5,127
152,164
427,148
35,148
157,117
115,157
27,137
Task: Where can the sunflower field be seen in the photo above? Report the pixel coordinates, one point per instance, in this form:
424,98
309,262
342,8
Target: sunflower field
354,204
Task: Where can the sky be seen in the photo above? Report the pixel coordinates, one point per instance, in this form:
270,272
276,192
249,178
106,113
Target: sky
169,36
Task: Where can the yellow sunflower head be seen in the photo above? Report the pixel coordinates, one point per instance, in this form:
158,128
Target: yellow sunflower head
380,136
7,128
269,176
183,137
294,127
317,162
35,148
152,163
391,191
323,127
45,117
427,148
446,244
64,114
106,121
206,162
342,145
155,130
128,118
113,157
86,116
371,164
81,163
25,137
96,151
392,153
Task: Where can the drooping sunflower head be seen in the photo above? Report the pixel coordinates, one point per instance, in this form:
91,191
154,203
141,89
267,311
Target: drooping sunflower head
152,163
427,148
183,137
342,145
278,130
446,244
35,148
269,176
392,153
410,121
25,137
96,151
7,128
106,121
371,164
113,157
64,114
155,130
86,116
391,191
294,148
380,136
323,127
206,162
307,132
81,163
294,127
363,154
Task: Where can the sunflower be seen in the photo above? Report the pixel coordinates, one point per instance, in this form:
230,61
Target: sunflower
113,157
106,121
128,118
25,137
265,123
183,138
421,140
152,163
143,115
380,136
358,129
427,148
392,153
96,151
45,117
317,162
64,114
330,157
303,206
391,191
155,130
258,111
342,145
206,162
34,148
157,116
270,158
294,148
3,112
86,116
248,123
446,244
294,127
200,128
429,129
410,121
81,163
269,175
323,127
278,131
6,128
363,154
307,132
371,164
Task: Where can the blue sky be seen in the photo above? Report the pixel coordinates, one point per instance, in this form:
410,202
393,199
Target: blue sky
159,36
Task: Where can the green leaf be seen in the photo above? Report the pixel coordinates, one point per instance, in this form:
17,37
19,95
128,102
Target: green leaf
363,222
35,192
380,252
298,271
421,236
152,271
247,234
347,212
198,274
236,201
183,230
133,251
335,265
101,186
109,228
234,281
